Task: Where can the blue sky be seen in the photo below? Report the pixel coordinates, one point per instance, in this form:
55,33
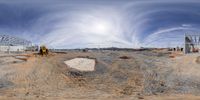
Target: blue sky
100,23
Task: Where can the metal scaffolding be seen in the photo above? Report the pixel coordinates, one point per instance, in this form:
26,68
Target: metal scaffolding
12,44
7,40
192,43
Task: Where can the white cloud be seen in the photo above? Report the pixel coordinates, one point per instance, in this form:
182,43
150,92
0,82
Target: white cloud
72,24
83,28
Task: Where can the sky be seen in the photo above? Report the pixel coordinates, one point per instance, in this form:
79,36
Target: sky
100,23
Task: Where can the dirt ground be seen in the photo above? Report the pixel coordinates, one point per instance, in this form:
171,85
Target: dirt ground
122,75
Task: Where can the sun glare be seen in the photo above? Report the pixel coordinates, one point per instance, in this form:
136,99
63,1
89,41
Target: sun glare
100,27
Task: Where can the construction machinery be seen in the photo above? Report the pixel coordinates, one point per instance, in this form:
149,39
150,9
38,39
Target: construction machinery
43,50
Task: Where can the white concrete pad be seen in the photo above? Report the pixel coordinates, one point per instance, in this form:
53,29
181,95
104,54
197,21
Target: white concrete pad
81,64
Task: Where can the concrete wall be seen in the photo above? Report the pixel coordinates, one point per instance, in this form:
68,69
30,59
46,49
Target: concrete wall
12,48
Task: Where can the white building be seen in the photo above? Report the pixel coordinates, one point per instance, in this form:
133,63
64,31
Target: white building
12,48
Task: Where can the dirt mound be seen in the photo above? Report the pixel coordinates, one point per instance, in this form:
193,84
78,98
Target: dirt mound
124,57
198,60
81,64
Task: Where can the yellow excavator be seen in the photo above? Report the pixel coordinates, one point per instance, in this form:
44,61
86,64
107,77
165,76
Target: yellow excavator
43,50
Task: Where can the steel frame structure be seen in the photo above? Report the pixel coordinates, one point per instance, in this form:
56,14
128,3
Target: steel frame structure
192,43
7,40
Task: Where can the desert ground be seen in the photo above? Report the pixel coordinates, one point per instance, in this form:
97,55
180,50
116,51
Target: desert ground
118,75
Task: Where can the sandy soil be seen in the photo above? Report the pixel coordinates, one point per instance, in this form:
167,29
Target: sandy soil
148,75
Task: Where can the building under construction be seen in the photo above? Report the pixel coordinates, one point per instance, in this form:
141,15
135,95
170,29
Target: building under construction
10,43
192,43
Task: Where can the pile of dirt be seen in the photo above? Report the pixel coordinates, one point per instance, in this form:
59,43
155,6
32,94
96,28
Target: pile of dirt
81,64
23,57
9,60
198,60
124,57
